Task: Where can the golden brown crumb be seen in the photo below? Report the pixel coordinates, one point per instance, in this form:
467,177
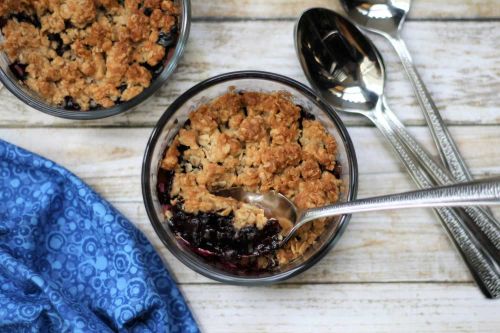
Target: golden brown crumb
258,141
95,51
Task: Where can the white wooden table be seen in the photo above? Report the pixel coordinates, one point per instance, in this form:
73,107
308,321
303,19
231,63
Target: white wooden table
393,271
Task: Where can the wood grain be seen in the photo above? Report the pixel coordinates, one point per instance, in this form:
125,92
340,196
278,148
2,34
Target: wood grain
456,59
390,272
392,246
403,246
113,152
344,308
421,9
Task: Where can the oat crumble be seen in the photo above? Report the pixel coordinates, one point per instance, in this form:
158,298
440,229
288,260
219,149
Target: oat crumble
258,141
87,54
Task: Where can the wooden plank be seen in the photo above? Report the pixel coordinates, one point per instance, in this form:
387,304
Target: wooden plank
392,246
456,60
396,246
114,152
344,308
421,9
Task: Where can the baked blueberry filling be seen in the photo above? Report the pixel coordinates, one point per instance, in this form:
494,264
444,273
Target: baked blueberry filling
154,70
166,39
216,234
148,11
70,104
122,87
19,70
262,142
60,46
304,115
23,17
3,22
94,105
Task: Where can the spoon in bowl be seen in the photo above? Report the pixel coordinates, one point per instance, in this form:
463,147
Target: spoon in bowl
348,71
276,205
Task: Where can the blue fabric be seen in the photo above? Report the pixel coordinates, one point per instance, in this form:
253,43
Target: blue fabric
69,262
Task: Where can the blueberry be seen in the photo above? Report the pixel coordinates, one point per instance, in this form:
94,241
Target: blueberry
248,233
229,254
182,148
337,171
70,104
122,87
94,105
166,39
54,38
68,24
209,234
304,115
61,48
19,70
23,17
148,11
3,22
154,70
271,228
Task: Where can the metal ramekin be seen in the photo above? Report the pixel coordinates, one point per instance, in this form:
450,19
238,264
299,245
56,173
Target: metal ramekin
30,98
173,118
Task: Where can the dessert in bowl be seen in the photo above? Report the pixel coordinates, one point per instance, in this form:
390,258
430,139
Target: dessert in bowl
89,59
256,130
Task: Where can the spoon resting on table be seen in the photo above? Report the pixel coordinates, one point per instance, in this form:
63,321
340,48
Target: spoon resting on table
348,71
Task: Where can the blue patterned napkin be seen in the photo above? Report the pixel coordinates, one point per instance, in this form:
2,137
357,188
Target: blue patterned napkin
69,262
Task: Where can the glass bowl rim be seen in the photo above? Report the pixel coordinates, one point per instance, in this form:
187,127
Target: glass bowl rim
168,70
153,141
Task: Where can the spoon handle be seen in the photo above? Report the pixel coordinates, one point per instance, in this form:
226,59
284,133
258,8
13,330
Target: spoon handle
482,265
481,216
480,192
447,148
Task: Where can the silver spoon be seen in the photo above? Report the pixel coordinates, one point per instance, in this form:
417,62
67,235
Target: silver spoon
358,88
386,18
276,205
345,67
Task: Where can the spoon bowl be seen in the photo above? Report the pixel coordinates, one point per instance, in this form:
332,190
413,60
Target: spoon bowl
274,204
339,61
381,16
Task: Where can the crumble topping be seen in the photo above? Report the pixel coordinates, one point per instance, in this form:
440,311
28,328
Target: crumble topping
86,54
261,142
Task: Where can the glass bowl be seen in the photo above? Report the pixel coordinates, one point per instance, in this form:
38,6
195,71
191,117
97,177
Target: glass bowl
32,99
175,116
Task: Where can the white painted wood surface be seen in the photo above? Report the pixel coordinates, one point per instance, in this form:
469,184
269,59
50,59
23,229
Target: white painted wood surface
391,272
421,9
458,60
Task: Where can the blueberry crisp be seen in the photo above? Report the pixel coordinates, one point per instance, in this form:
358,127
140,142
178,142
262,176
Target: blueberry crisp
261,142
88,54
